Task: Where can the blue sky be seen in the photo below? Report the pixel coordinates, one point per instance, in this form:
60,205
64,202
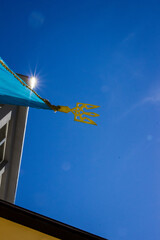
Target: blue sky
102,179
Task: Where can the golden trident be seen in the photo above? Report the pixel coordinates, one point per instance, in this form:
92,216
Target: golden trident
79,112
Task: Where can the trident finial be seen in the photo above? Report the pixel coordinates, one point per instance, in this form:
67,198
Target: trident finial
79,112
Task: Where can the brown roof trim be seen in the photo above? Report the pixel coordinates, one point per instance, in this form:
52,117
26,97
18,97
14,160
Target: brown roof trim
43,224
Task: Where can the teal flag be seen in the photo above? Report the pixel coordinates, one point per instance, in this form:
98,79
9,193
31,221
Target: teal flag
14,91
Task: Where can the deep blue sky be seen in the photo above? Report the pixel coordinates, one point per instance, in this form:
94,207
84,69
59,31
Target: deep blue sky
102,179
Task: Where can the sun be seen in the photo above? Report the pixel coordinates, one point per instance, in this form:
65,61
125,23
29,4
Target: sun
33,82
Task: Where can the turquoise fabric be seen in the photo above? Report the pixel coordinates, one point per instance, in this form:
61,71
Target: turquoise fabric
14,93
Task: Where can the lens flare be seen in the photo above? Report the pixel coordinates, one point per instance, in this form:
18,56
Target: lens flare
33,82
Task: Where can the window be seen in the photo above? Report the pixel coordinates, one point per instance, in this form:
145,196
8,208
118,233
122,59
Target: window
4,123
3,134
